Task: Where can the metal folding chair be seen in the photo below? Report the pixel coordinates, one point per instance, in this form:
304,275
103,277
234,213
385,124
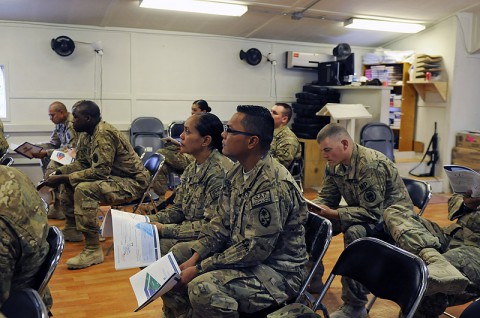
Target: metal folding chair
24,303
378,136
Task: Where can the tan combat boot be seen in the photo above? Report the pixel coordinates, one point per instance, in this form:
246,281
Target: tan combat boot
55,213
443,277
92,253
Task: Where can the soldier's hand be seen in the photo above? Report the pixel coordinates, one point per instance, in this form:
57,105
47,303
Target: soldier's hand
186,276
54,181
190,262
39,155
470,202
158,225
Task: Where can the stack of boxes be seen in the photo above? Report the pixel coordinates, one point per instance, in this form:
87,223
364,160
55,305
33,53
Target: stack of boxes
467,150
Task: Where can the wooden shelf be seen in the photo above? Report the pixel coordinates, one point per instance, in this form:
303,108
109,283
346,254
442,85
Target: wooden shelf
438,87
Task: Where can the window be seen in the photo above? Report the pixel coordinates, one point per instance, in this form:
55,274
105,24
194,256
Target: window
3,93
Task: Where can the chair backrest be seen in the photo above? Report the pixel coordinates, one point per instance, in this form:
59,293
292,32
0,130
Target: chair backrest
140,151
175,128
296,170
385,270
24,303
378,136
472,310
57,243
318,235
420,192
147,132
7,161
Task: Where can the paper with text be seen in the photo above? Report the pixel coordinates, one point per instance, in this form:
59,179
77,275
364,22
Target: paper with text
135,241
155,280
61,157
463,179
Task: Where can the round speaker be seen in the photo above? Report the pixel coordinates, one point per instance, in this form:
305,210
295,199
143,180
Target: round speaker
63,45
252,56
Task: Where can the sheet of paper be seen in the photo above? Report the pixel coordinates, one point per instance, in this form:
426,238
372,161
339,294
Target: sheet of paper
135,241
61,157
463,179
155,280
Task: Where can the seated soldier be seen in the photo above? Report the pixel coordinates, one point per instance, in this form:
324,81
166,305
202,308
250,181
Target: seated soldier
370,184
201,182
23,231
252,254
452,254
285,146
175,160
106,171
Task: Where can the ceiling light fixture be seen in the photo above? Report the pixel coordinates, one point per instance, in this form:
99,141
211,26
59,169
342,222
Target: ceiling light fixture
196,6
381,25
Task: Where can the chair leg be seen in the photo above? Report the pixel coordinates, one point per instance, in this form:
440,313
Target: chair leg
448,315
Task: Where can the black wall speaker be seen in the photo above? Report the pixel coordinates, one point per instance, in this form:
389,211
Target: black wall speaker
252,56
63,45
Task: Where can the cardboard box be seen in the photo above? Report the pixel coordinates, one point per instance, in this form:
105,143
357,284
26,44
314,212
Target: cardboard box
467,157
468,139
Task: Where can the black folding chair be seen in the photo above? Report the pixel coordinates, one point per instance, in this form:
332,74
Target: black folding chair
57,243
420,192
147,132
472,310
25,303
378,136
296,170
385,270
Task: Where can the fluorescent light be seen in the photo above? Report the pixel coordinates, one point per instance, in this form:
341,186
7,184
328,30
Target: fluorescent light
196,6
380,25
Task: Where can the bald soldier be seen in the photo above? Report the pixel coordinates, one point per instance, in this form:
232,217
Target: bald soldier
285,146
370,184
106,171
63,137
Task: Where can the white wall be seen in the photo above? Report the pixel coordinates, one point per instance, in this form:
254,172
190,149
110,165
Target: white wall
145,73
461,110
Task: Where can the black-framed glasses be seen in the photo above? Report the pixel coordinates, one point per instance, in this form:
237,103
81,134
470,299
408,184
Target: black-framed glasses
229,130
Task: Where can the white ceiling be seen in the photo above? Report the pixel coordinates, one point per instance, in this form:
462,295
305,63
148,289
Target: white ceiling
267,19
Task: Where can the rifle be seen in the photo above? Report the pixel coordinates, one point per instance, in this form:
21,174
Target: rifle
432,152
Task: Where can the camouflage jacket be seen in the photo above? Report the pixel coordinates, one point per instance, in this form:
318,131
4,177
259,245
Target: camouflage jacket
259,220
63,136
196,198
3,140
285,146
105,154
466,231
23,231
370,184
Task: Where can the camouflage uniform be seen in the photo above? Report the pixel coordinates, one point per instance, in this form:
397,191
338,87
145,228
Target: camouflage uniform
370,185
3,141
63,137
195,201
258,236
459,243
106,171
285,146
175,162
23,231
294,310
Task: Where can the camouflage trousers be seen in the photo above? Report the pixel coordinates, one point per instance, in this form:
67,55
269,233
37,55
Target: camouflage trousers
294,310
52,167
175,162
82,202
413,234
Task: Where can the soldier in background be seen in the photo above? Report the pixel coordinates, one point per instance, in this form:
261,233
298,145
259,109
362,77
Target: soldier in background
454,275
201,182
176,161
63,137
3,141
370,184
23,232
285,145
252,254
106,171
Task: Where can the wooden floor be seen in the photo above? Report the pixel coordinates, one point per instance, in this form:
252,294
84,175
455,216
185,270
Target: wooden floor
101,291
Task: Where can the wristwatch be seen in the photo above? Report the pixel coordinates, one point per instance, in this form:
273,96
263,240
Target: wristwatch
198,266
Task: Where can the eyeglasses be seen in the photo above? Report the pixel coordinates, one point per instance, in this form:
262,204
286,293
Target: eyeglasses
236,132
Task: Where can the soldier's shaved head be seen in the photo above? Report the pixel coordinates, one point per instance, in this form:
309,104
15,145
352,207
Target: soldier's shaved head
334,132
